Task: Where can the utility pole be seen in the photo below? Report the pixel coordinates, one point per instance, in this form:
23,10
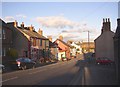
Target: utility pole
88,42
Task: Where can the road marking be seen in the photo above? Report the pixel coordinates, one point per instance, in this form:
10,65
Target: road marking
10,79
38,71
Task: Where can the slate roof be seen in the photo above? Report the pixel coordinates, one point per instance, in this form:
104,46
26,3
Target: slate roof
31,33
53,45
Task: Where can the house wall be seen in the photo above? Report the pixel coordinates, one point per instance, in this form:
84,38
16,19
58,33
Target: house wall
54,52
6,42
104,45
20,41
60,55
64,47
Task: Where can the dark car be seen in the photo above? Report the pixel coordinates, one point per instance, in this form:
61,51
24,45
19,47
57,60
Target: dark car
104,61
23,63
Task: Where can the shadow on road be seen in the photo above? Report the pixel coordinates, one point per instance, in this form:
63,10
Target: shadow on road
88,73
67,76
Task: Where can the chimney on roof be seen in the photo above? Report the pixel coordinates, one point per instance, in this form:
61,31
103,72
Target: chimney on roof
22,25
106,25
31,28
61,37
40,32
15,23
50,38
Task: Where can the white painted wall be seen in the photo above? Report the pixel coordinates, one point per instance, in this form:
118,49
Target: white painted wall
59,55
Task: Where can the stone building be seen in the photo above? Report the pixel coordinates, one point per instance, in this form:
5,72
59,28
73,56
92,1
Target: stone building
63,49
28,42
104,43
117,50
6,42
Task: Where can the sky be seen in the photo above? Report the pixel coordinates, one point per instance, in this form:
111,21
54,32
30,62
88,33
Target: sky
72,20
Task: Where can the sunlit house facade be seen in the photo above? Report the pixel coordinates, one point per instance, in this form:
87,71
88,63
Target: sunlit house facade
28,42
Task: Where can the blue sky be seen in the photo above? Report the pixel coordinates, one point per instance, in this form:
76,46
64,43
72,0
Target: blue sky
70,19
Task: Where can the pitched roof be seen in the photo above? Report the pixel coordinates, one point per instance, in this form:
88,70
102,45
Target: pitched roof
64,43
31,33
102,34
53,44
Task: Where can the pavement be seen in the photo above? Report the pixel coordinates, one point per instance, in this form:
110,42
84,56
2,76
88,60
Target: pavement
99,75
9,69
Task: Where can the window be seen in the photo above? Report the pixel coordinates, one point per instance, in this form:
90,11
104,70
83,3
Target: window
47,43
0,52
40,42
37,42
34,42
3,34
0,33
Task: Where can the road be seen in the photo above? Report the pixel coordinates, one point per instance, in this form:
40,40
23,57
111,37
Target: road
73,72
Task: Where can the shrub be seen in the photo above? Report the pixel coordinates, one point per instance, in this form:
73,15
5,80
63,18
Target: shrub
12,53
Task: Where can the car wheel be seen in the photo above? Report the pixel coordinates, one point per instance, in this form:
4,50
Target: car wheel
33,67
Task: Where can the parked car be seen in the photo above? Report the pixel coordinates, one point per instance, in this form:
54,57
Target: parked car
103,61
23,63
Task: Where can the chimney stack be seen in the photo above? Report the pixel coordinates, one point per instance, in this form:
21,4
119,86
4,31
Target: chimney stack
108,19
15,23
61,37
50,38
40,32
31,28
106,25
22,25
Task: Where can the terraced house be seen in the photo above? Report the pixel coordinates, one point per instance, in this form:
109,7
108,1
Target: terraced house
5,41
28,42
63,49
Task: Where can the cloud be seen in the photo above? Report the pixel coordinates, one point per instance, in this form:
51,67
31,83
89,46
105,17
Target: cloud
80,34
9,18
56,22
21,16
70,30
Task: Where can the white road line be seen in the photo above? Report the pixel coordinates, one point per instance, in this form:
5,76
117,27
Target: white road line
38,71
10,79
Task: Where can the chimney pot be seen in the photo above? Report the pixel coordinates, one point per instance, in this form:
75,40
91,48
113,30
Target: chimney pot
22,25
31,28
40,31
61,37
106,19
15,23
103,20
